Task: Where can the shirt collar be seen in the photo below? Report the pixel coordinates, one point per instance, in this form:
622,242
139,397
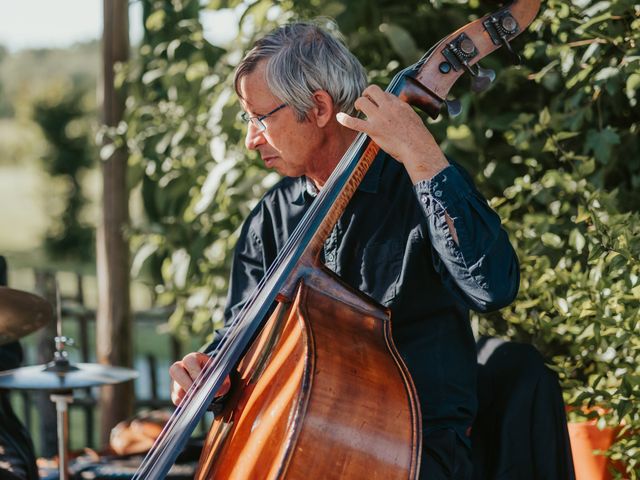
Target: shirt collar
369,184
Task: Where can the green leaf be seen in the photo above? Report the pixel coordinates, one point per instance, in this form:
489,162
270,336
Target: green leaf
566,135
462,137
107,151
562,306
633,84
141,256
601,143
551,240
152,75
583,214
172,47
156,20
579,77
586,25
606,73
587,167
197,70
545,117
402,42
577,240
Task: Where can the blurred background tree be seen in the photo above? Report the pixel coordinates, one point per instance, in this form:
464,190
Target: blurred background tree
47,119
553,144
63,118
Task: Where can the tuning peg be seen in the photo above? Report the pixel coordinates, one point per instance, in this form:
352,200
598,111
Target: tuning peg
506,27
515,58
482,78
454,107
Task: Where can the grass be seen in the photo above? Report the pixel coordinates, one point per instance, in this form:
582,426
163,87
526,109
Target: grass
28,201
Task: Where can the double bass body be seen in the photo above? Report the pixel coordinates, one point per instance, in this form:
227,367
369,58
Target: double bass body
321,393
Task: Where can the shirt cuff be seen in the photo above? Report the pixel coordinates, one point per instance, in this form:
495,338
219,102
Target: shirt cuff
443,190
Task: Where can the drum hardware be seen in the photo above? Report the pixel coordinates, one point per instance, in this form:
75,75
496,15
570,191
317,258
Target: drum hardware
60,375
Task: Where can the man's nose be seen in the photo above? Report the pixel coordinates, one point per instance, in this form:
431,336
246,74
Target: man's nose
254,137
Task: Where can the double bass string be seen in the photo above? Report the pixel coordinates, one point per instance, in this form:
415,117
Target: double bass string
219,362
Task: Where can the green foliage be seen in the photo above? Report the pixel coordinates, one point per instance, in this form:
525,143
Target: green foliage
579,300
188,165
62,118
27,75
554,142
6,109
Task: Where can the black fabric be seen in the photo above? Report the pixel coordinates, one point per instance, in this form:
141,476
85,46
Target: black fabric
521,428
3,272
446,457
16,447
5,475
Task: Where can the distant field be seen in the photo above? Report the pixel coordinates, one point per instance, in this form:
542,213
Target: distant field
25,199
29,199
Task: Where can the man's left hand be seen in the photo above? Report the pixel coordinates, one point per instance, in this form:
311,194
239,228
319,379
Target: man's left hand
399,131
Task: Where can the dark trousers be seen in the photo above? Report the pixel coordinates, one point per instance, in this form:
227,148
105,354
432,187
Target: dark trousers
445,456
521,428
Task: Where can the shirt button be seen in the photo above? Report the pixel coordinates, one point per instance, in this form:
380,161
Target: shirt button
330,257
424,199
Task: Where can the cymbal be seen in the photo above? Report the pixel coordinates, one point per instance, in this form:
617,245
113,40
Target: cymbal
21,313
64,376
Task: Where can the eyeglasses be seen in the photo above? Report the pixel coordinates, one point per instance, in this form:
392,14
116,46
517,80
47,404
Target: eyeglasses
258,122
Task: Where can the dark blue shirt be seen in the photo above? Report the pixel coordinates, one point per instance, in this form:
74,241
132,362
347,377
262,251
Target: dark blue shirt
393,243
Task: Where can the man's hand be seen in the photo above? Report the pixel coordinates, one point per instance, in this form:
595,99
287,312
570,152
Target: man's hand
399,131
185,371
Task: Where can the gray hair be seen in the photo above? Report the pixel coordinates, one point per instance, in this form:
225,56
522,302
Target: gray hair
303,58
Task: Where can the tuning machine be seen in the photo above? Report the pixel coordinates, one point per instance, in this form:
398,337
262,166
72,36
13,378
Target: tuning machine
459,53
454,107
502,27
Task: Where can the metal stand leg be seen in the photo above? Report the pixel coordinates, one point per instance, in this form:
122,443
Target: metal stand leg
62,401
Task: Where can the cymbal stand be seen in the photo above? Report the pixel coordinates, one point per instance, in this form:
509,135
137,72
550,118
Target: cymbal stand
60,357
62,400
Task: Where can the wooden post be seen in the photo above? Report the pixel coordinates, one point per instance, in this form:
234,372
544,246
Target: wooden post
114,331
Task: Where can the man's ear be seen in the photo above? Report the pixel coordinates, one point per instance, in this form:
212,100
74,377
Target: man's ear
323,110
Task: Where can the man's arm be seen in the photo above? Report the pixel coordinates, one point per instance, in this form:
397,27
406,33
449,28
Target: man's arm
472,252
246,272
479,263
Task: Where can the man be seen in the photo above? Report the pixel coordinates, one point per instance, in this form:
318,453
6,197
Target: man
417,236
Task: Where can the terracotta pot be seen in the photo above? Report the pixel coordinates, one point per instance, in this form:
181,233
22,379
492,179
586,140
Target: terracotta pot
585,438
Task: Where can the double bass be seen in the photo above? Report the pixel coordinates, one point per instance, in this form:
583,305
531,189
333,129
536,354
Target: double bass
318,387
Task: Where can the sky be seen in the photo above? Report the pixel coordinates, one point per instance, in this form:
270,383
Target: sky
60,23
